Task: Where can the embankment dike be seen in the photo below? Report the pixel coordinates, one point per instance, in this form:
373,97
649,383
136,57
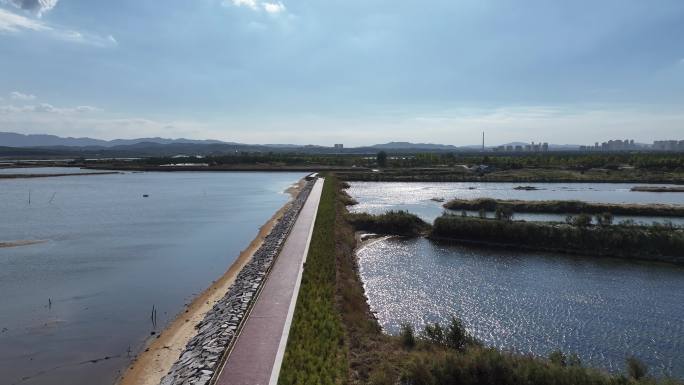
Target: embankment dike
206,353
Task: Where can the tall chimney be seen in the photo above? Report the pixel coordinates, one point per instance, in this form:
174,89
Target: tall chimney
483,141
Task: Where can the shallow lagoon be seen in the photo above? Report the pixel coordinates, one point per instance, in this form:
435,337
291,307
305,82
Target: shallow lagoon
601,308
379,197
108,255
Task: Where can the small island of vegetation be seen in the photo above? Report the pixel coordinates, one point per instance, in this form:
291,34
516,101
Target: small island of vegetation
391,222
566,207
663,242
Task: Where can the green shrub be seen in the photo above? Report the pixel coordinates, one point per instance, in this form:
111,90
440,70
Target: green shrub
408,339
636,369
557,357
604,219
654,242
433,333
391,222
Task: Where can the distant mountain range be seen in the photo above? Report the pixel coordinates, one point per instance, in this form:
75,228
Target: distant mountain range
14,144
11,139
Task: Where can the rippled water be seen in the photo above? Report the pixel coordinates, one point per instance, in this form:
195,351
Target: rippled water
378,197
603,309
108,255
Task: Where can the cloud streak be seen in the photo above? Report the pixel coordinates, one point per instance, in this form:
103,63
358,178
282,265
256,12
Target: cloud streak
45,108
12,23
16,95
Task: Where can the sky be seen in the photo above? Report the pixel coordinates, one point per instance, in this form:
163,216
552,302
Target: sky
353,72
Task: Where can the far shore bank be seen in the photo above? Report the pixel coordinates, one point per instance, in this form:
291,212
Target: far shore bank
160,353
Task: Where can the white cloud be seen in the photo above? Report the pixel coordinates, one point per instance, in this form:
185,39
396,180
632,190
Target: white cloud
37,6
14,24
274,7
269,7
246,3
16,95
45,108
10,22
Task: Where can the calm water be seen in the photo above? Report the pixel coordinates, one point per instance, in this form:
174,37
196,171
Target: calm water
378,197
602,309
108,256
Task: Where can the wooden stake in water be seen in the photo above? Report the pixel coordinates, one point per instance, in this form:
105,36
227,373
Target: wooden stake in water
153,317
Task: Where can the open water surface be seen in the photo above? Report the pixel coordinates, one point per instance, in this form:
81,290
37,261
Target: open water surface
73,306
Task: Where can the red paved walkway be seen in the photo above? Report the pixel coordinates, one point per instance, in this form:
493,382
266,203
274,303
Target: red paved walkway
257,354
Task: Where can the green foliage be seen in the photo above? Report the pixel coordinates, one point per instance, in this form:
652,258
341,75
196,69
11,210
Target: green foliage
574,360
392,222
557,357
565,207
659,241
479,365
504,213
582,220
316,352
636,369
456,336
433,333
381,158
408,338
604,219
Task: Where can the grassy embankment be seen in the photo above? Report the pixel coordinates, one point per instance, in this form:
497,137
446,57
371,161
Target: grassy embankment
565,207
336,340
656,242
316,352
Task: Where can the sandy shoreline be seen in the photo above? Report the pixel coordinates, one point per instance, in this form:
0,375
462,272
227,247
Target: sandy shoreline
162,352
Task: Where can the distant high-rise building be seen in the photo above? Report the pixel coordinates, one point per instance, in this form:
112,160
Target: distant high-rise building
668,145
339,145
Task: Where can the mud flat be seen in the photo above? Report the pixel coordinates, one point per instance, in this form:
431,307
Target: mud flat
22,242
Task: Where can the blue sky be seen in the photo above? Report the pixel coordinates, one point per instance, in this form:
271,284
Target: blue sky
355,72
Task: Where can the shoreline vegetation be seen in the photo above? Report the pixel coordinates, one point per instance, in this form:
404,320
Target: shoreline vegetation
336,338
654,242
523,175
411,166
565,207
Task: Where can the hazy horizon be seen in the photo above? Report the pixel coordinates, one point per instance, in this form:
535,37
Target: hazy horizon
354,72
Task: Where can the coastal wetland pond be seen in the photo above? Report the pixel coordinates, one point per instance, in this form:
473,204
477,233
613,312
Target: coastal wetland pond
77,304
603,309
